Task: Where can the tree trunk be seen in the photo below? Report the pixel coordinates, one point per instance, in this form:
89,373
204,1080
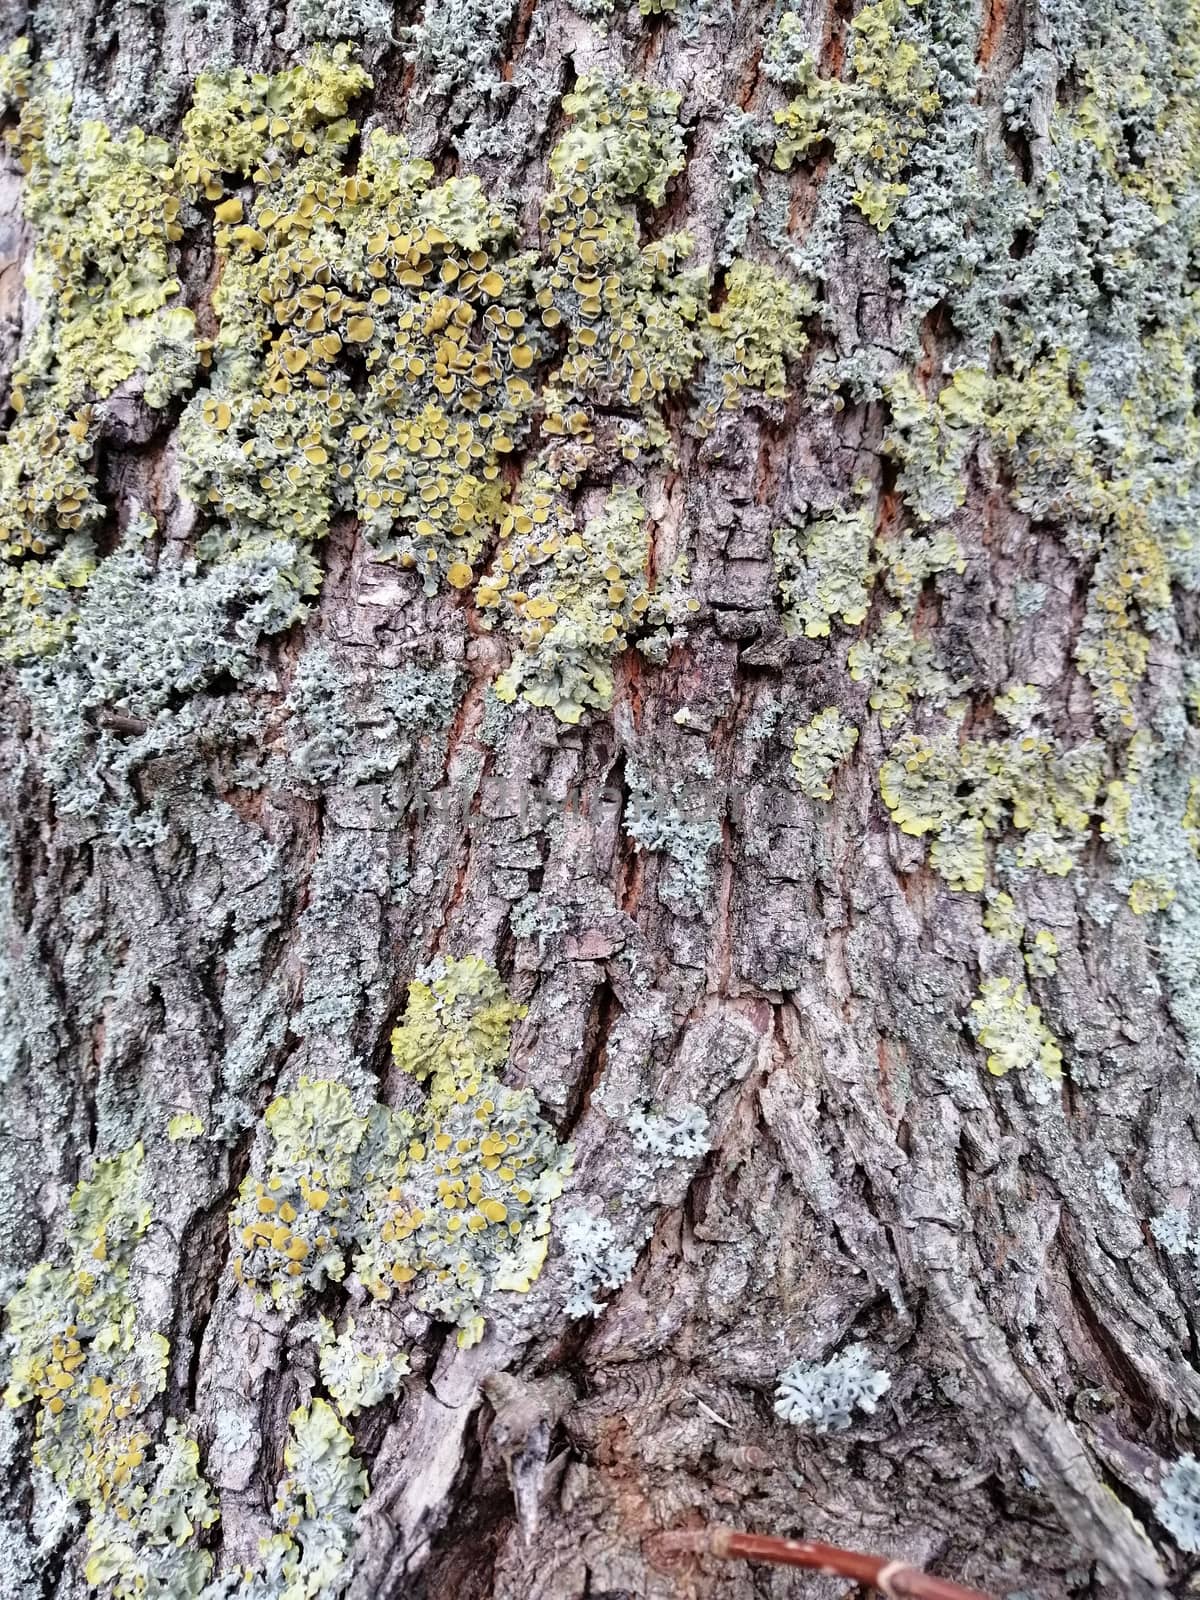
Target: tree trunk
737,722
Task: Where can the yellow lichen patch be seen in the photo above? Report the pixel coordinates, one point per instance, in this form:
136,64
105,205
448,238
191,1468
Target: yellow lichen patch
571,598
873,118
81,1353
447,1202
962,793
1010,1028
817,748
105,218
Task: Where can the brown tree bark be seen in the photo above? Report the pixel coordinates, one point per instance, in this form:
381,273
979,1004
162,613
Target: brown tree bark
687,927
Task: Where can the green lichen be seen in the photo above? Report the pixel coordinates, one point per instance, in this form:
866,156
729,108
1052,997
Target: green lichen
82,1352
932,438
314,1510
900,668
105,216
873,117
1041,954
571,601
184,1127
963,793
817,748
1010,1028
824,570
759,327
383,347
356,1377
454,1201
1002,919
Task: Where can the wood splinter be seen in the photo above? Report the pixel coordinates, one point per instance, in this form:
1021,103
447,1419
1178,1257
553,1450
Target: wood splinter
895,1579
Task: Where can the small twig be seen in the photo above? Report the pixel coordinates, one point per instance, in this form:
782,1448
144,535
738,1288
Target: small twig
707,1410
894,1579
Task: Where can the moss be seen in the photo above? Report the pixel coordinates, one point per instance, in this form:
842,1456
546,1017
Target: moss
817,748
1010,1028
454,1201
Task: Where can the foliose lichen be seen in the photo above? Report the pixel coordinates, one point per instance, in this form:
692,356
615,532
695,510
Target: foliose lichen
454,1201
595,1259
1178,1504
823,1396
818,747
1010,1028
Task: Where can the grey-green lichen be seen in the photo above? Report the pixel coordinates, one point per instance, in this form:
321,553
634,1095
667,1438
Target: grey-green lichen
817,748
824,569
899,668
1178,1504
964,792
82,1351
669,819
384,347
823,1396
356,1376
873,117
594,1258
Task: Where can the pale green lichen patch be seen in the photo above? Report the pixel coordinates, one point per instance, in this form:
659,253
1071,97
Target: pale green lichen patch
454,1201
817,748
81,1352
963,793
383,347
1041,954
932,438
356,1376
314,1511
900,668
873,117
105,215
1010,1028
759,327
572,600
824,569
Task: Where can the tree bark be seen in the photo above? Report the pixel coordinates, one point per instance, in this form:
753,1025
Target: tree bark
701,940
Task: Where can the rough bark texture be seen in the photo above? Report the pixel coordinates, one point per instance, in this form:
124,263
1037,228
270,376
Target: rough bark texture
793,966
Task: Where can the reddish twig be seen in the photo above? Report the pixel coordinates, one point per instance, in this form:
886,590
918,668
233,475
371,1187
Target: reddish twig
895,1579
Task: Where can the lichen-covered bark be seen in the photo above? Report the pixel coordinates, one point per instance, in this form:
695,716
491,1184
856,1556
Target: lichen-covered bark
902,788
